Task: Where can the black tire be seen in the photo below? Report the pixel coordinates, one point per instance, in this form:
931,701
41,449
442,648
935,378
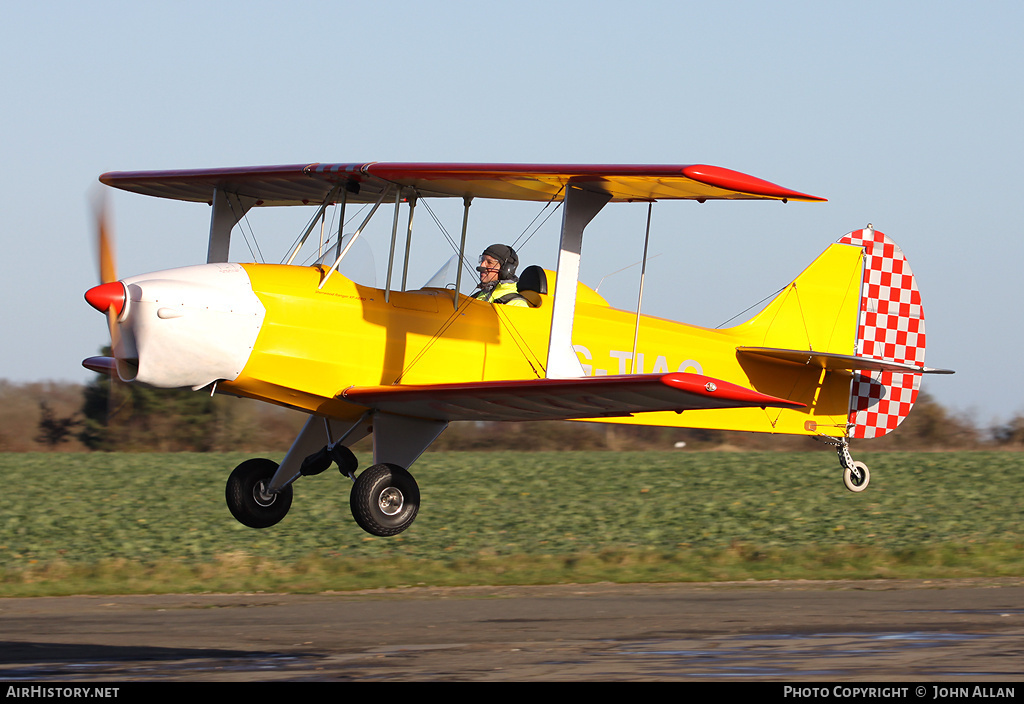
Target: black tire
385,499
246,497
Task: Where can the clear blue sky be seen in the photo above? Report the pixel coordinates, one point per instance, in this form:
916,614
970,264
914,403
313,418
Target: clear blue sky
907,115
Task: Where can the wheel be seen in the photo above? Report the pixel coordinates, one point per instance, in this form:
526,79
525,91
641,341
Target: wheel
856,479
384,499
247,496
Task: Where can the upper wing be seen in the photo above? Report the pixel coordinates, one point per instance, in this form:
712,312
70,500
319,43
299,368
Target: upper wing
561,399
304,184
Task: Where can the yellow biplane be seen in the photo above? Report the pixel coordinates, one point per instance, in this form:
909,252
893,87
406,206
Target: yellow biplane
838,354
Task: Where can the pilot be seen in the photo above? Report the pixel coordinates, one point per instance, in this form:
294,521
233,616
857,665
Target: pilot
498,277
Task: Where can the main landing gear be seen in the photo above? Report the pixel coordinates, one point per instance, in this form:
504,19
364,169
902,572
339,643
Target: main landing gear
384,500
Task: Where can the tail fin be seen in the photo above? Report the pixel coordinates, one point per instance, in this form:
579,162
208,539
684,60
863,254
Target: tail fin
856,310
891,328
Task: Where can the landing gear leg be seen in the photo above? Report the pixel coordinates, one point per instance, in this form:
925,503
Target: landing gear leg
855,474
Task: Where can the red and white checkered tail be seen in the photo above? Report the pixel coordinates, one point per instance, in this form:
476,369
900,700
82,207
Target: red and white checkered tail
891,328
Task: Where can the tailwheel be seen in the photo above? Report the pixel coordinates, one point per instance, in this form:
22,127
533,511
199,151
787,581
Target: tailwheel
855,474
385,499
248,498
856,477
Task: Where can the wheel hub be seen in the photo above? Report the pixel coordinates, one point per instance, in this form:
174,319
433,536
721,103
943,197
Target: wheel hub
262,497
390,501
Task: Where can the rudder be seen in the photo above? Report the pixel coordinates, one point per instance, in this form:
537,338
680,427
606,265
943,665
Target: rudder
890,327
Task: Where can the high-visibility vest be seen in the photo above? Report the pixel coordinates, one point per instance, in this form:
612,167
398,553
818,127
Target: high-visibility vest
505,292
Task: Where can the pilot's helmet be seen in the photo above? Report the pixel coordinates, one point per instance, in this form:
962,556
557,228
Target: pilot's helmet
508,258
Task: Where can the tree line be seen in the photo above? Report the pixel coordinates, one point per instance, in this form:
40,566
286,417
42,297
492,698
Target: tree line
48,416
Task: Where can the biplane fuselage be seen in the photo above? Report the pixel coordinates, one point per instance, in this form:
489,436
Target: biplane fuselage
309,345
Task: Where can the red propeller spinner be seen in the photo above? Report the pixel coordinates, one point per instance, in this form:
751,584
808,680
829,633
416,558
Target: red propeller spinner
107,296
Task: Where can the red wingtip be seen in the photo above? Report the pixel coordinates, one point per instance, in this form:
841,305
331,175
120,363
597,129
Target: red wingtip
107,296
736,181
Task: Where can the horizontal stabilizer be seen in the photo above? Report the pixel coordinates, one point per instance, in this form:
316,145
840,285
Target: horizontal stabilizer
562,399
836,362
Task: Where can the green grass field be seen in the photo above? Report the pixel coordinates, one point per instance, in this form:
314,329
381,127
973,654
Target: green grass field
119,523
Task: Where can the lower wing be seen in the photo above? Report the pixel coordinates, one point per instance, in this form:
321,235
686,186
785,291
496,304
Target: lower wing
561,399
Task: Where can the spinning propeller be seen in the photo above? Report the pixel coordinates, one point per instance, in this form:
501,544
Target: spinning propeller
110,298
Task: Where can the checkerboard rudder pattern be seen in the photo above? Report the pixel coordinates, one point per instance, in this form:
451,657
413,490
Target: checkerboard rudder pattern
890,327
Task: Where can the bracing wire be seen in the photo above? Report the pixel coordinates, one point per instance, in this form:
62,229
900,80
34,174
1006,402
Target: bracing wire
447,236
520,341
440,225
246,236
541,212
456,314
742,312
245,219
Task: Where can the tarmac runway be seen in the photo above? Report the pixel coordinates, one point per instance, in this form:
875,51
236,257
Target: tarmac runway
965,631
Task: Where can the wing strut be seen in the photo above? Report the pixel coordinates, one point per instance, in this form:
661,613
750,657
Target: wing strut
228,209
408,240
320,214
394,237
341,222
581,206
640,295
355,236
467,201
